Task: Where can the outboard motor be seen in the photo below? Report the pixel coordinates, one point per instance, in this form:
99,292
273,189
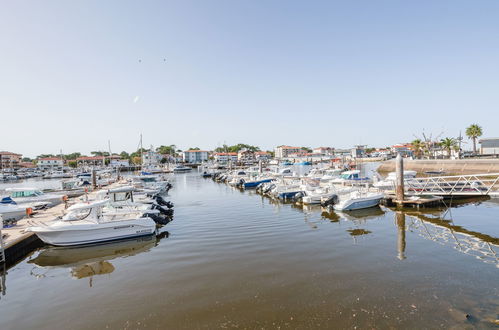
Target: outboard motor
269,188
158,219
330,201
298,197
163,210
161,201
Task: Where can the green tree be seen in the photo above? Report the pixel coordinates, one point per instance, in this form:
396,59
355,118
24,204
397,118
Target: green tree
72,163
448,144
473,132
27,160
417,147
195,148
45,156
100,153
72,156
124,155
167,150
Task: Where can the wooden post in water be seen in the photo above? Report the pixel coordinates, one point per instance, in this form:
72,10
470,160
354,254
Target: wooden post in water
94,178
399,183
260,169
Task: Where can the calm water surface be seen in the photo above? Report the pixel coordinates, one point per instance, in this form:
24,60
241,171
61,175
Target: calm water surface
233,259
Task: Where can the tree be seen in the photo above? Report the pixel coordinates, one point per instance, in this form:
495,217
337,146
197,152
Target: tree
448,144
100,153
72,163
167,150
72,156
27,160
195,148
124,155
473,132
417,146
45,156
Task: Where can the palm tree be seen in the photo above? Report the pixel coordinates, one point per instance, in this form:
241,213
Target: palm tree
417,146
473,132
448,144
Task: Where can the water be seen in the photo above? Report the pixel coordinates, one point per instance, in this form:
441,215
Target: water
235,259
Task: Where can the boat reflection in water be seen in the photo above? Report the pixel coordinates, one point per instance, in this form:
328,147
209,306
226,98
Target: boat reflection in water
91,260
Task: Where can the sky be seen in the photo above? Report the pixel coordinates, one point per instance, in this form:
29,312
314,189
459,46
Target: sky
77,74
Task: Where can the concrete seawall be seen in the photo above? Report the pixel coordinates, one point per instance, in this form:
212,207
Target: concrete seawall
449,166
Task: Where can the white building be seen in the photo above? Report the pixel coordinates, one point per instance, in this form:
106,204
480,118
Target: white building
285,151
50,163
195,156
151,158
225,157
262,155
326,151
489,146
119,163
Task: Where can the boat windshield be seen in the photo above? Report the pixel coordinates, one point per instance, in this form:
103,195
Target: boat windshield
25,193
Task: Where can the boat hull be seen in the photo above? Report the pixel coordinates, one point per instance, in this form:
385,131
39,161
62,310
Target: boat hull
358,203
104,232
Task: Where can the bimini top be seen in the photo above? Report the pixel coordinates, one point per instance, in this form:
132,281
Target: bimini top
123,189
86,206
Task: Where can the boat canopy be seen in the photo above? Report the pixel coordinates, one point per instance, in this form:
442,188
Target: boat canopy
85,206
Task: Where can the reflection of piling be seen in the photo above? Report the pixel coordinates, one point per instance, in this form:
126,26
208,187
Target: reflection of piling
399,183
400,219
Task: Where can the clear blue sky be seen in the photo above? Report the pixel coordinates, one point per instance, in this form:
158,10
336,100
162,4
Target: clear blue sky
308,73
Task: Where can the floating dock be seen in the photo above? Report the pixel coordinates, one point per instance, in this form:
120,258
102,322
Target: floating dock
413,201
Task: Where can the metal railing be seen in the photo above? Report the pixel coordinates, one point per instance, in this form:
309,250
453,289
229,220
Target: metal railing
458,185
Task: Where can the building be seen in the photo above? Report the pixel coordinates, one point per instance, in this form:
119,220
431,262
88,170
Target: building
195,156
489,146
50,163
325,151
358,151
91,161
246,156
10,160
262,156
225,157
286,151
151,158
119,163
404,149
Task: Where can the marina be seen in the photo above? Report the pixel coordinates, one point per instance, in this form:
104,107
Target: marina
249,165
232,250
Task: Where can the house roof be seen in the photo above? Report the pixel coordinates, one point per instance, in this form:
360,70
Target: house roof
8,153
195,151
91,158
226,153
49,158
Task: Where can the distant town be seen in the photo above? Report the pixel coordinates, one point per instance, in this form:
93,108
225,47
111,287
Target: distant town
420,148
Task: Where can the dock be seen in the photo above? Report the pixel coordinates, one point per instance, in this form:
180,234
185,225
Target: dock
16,243
413,201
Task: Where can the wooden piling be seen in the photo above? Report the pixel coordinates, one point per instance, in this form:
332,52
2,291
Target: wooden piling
94,178
399,183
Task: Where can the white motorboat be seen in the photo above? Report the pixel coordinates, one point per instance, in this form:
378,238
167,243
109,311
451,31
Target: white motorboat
11,211
33,197
389,181
86,223
358,200
181,169
350,177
